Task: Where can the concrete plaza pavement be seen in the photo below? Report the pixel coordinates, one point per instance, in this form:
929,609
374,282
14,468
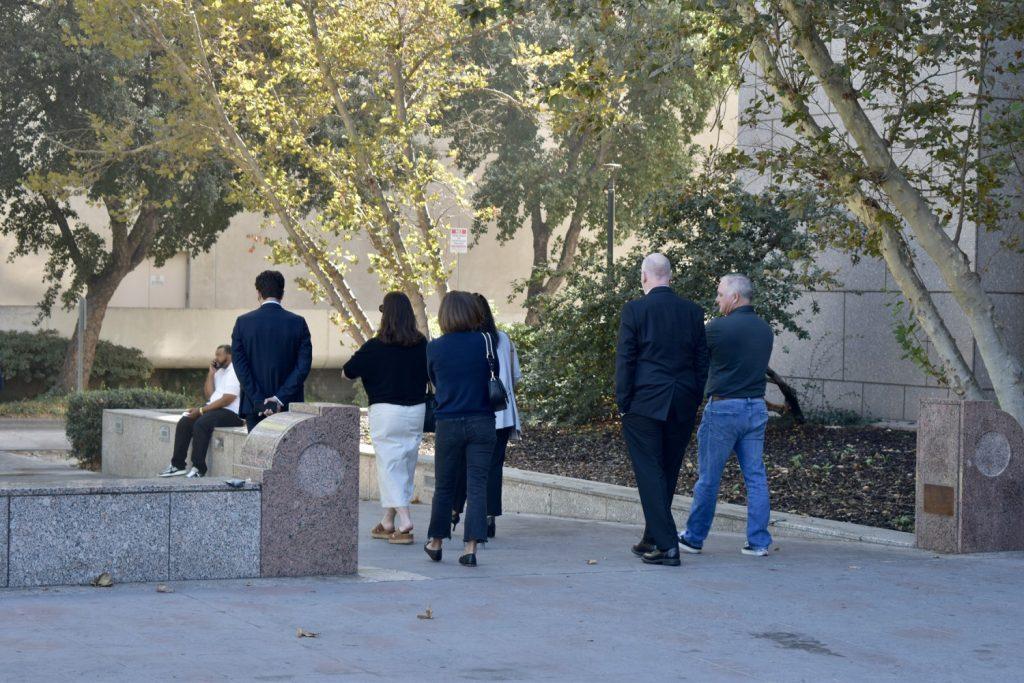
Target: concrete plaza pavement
535,609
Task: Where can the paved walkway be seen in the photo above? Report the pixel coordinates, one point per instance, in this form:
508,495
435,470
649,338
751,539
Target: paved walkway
33,435
535,609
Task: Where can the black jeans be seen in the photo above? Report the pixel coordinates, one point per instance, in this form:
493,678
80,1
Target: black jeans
656,449
467,444
199,432
494,479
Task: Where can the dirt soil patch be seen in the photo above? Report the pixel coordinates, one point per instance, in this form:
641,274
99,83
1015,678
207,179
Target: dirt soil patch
863,474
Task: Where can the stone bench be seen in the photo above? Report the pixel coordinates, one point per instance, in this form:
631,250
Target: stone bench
139,442
297,515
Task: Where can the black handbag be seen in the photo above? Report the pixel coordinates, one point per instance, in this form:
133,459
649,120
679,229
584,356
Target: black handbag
495,389
429,418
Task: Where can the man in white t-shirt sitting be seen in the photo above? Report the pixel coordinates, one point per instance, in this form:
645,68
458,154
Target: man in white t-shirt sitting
196,426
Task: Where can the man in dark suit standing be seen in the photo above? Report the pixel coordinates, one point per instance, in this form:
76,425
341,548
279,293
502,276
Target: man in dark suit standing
661,367
271,351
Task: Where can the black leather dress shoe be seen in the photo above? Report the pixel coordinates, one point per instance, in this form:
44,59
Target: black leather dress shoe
669,558
642,548
468,560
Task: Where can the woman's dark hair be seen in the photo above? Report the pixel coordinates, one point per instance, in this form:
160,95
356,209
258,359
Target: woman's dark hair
270,284
398,322
459,312
488,325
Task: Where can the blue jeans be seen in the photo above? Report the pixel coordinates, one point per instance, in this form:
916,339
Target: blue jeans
731,425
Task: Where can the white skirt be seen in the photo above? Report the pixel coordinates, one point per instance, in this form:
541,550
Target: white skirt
396,432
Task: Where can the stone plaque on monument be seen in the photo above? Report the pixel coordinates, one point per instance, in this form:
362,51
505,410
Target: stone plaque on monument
970,478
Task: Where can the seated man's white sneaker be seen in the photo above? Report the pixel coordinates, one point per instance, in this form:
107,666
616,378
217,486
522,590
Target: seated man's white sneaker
194,474
172,471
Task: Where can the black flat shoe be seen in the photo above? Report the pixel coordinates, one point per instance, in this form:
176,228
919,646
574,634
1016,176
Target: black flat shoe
468,560
435,555
641,548
669,558
491,527
455,519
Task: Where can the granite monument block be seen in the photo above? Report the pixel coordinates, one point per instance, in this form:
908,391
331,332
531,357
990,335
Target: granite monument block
970,478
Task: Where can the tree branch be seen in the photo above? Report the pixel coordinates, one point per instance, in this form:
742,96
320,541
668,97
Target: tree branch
65,230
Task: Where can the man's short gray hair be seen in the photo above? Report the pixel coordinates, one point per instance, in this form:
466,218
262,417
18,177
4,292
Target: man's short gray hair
740,285
657,266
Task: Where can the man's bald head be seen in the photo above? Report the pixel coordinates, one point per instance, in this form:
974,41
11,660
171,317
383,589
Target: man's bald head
655,271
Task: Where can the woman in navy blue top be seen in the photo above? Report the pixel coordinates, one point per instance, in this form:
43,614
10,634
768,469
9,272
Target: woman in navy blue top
457,365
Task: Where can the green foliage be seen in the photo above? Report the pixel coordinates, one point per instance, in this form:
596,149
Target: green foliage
79,122
50,406
570,357
38,357
85,415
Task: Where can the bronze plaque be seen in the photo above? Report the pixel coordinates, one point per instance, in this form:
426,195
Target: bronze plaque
938,500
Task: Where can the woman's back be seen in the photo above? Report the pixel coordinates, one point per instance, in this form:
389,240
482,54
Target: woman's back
457,365
391,373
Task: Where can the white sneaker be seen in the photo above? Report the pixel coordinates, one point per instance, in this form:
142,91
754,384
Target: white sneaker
751,550
172,471
194,474
686,547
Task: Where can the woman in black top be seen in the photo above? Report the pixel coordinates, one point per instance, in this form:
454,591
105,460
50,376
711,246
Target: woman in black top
457,365
393,367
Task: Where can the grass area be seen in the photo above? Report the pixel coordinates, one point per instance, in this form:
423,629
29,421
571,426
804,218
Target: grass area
41,407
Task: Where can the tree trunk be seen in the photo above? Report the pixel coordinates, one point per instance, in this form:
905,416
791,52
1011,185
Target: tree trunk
97,298
1004,367
788,394
893,247
535,288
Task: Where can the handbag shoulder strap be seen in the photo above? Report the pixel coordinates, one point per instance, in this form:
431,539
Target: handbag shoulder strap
489,348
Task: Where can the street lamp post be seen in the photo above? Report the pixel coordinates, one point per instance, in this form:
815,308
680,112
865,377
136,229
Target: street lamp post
610,225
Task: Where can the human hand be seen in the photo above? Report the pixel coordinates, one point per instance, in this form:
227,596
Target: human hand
194,413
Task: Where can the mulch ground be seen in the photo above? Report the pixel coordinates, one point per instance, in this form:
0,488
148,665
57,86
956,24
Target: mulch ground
859,474
863,474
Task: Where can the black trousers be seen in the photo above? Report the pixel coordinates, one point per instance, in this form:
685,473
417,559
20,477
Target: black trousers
656,449
494,479
199,432
466,444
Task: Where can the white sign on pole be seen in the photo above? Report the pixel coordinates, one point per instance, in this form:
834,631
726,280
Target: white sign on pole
458,240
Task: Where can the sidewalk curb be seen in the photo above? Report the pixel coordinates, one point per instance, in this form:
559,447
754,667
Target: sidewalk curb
557,496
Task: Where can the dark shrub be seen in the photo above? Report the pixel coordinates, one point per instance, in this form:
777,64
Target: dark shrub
37,358
85,415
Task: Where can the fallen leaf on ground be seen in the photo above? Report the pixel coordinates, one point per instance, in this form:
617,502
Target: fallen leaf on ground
164,588
429,614
591,561
104,580
303,633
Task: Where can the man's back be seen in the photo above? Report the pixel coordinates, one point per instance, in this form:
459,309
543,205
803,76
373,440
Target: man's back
662,354
740,345
272,355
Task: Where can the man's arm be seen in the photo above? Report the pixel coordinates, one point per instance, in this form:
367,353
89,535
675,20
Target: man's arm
222,402
303,363
702,355
625,360
243,368
208,385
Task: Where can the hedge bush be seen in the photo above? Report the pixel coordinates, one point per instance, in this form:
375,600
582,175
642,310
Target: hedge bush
39,356
85,415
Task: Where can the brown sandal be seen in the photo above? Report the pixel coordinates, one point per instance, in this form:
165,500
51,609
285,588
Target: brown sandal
399,537
380,533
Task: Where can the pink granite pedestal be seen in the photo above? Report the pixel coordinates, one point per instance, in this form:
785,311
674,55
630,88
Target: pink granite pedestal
970,478
308,462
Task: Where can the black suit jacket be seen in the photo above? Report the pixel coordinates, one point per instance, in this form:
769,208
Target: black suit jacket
272,353
662,355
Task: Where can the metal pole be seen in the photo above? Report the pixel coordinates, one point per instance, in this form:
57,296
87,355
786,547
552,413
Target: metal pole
610,228
81,344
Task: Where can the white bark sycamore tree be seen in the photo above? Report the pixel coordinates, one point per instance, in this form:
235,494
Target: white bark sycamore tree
329,111
914,155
